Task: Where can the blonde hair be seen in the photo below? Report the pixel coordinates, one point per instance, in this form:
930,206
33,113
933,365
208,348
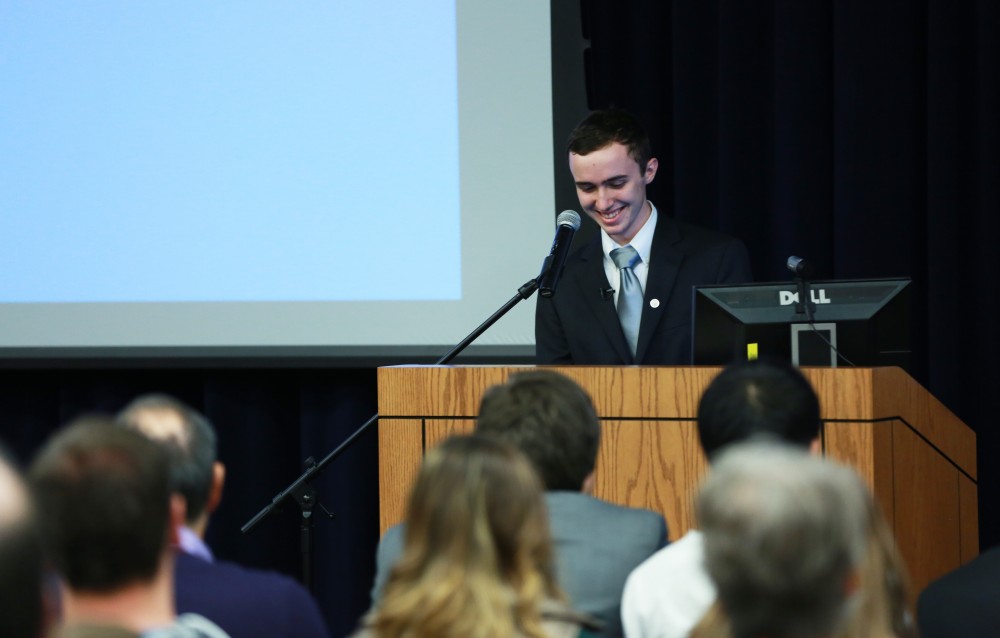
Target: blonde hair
884,594
477,558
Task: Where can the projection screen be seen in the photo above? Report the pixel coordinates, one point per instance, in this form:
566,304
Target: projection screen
271,178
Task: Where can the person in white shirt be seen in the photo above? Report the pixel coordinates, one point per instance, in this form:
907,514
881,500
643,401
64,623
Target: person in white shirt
667,594
786,538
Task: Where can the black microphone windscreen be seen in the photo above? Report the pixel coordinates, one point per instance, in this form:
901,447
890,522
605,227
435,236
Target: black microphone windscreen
799,267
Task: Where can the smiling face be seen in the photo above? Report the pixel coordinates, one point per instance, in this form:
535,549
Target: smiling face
612,189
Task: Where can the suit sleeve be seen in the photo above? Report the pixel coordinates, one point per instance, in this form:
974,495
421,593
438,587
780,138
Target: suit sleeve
551,346
305,616
663,534
389,549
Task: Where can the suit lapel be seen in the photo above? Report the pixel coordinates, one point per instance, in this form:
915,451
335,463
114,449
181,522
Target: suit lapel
664,264
603,310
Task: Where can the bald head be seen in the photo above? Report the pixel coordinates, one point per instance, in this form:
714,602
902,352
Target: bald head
13,495
190,441
21,608
162,424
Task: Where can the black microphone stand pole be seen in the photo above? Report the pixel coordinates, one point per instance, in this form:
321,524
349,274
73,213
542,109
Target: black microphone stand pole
805,305
302,489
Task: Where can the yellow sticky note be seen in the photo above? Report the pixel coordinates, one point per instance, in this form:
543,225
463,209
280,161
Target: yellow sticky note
751,351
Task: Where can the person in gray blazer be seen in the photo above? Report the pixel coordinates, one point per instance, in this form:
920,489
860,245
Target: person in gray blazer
552,421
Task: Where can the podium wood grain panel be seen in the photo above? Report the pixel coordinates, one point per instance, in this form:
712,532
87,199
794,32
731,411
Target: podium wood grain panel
630,392
867,447
438,430
420,391
400,450
897,394
968,496
653,464
845,393
847,442
927,509
915,454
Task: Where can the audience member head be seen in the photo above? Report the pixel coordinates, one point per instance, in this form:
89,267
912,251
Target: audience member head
104,508
882,601
785,534
754,398
15,504
551,420
191,443
477,557
22,609
605,127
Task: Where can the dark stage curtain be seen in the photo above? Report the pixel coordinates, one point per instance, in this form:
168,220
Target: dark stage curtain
268,420
864,136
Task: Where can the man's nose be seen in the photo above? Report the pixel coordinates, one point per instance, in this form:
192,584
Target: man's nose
604,199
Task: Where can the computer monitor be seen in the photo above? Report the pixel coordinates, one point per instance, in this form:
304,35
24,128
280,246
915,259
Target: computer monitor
866,321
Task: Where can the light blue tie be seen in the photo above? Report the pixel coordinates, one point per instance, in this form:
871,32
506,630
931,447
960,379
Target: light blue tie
629,294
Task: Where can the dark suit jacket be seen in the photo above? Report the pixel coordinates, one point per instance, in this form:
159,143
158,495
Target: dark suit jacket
963,603
579,324
246,602
597,544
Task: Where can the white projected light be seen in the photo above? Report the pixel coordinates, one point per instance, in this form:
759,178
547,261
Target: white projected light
249,174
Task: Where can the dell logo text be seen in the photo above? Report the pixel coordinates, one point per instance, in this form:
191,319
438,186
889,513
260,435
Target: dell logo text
787,298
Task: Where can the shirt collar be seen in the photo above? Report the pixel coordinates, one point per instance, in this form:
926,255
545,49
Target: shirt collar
191,543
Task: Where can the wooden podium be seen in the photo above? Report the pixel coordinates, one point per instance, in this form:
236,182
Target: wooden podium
918,457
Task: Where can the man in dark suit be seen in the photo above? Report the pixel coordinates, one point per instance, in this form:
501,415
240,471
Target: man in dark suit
552,421
962,603
611,161
107,519
244,602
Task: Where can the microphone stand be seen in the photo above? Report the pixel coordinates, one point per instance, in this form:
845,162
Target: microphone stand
805,304
302,489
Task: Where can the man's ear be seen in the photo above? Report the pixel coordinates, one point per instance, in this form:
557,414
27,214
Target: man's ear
588,484
816,447
178,517
852,583
651,166
218,481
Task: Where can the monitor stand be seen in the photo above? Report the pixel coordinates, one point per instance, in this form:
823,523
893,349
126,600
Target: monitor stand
808,349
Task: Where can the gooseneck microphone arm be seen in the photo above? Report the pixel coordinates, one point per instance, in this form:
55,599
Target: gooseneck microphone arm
302,490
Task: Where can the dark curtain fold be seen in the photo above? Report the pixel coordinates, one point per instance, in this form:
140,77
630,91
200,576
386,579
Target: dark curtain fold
862,135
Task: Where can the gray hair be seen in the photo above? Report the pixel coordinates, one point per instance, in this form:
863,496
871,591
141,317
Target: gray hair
784,532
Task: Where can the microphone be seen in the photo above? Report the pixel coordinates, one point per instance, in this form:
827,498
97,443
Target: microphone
799,267
567,224
607,293
802,270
